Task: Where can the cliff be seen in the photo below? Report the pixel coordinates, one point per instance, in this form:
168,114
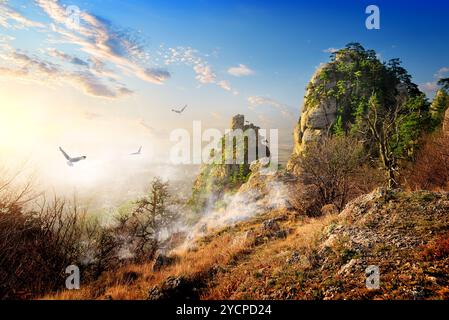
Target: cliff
338,94
220,177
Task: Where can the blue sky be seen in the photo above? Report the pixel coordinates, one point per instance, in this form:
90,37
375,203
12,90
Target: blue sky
113,79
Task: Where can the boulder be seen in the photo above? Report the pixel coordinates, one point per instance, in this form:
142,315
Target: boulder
174,288
270,226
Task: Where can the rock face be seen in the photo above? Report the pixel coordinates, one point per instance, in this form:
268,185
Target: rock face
337,95
315,119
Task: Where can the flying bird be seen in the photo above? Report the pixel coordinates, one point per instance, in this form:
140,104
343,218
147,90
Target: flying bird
137,153
70,160
179,111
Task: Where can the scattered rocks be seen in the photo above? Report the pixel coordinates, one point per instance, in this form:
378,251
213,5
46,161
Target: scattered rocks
175,288
270,226
294,258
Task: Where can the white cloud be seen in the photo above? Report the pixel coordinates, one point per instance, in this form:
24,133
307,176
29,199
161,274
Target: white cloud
25,67
240,71
103,41
204,73
330,50
430,87
442,72
256,101
11,18
225,85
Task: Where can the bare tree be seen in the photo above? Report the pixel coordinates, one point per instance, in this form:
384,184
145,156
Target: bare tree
142,226
330,165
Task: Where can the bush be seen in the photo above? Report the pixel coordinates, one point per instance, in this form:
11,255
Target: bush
36,246
331,172
431,168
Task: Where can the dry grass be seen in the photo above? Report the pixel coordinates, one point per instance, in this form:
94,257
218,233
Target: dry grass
222,250
266,270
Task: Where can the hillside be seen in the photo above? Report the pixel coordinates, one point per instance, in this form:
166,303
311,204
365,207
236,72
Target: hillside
280,255
349,203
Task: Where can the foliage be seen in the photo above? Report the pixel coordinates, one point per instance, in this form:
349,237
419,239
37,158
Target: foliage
376,102
331,166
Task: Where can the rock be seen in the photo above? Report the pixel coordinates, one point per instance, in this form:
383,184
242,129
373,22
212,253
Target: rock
270,225
328,92
348,268
294,258
329,209
163,261
174,288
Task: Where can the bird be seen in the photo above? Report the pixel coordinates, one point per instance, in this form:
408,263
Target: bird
70,160
179,111
137,153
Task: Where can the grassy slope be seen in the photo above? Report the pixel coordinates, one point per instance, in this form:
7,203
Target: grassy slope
405,234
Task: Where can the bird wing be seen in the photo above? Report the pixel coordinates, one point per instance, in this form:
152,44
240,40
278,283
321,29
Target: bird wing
140,149
65,154
77,159
184,108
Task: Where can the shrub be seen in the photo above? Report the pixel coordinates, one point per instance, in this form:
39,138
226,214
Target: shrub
430,171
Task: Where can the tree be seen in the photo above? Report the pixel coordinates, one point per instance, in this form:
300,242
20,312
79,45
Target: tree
150,216
438,107
330,165
395,130
444,83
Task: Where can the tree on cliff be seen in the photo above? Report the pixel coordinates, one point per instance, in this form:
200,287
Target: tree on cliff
396,129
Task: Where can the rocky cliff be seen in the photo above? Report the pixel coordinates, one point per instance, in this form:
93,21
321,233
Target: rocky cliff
215,179
337,96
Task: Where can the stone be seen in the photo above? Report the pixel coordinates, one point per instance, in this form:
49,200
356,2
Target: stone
174,288
270,225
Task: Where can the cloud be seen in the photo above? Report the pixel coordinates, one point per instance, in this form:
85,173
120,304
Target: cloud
11,18
442,72
102,40
430,87
224,85
330,50
25,67
66,57
240,71
204,73
256,101
156,75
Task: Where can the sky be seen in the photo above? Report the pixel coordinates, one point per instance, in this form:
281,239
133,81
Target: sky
101,77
